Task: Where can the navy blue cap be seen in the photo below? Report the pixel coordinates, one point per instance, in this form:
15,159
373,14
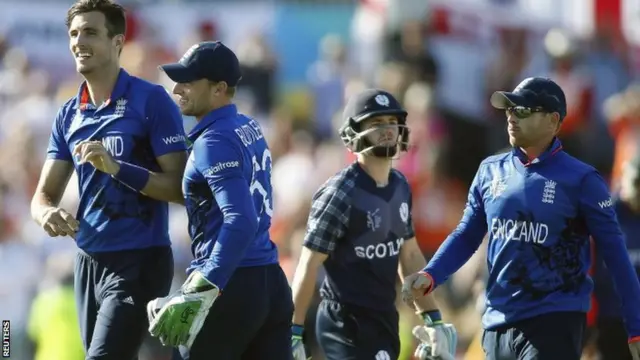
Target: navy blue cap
533,92
210,60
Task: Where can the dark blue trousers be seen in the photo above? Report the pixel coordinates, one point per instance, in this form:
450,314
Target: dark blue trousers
347,332
250,320
112,290
553,336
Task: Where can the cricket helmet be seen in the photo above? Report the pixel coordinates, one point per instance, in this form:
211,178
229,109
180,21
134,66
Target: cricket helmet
368,104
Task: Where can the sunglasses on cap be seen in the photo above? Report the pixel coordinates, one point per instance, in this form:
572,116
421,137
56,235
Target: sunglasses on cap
523,112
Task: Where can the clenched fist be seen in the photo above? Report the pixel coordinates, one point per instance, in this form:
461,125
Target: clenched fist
58,222
415,286
94,152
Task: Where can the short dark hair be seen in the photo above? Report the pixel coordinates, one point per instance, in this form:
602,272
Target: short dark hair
114,14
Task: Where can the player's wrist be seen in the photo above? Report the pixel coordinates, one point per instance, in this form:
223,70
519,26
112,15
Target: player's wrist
42,212
432,282
197,282
297,330
131,175
431,317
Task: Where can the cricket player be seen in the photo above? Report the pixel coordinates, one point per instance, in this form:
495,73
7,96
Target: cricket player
236,302
124,138
360,229
540,206
611,334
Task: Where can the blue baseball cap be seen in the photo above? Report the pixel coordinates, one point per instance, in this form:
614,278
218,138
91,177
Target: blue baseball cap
210,60
533,92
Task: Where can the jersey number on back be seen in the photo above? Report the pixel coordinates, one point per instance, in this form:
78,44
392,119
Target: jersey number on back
263,165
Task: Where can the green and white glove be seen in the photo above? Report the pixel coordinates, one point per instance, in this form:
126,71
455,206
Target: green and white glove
176,319
438,340
297,344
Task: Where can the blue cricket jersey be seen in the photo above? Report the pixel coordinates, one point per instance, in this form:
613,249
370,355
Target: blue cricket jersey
605,291
227,188
139,123
539,215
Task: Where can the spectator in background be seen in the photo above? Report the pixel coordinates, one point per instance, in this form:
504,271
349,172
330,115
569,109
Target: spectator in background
438,200
53,323
20,273
327,78
572,76
14,74
504,71
622,111
607,59
292,179
259,66
409,46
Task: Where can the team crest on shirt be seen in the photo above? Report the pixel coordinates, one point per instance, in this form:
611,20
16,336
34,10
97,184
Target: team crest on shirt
404,212
497,187
549,192
121,107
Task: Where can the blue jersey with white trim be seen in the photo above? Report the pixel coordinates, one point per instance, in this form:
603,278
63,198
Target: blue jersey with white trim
227,188
139,123
539,216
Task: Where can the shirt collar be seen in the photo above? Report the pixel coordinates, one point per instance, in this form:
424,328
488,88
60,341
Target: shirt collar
553,149
83,101
222,112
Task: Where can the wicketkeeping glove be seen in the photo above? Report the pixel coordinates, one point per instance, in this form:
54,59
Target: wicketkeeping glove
176,319
438,340
297,344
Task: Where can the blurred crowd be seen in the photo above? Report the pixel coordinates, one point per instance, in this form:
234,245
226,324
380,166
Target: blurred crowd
442,72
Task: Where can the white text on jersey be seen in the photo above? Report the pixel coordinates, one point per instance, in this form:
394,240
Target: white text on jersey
221,166
249,133
379,251
605,204
525,231
114,145
173,139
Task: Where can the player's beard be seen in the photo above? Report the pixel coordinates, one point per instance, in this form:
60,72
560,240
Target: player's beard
384,152
383,147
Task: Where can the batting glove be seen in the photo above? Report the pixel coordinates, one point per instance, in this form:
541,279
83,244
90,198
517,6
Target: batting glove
297,345
176,319
437,340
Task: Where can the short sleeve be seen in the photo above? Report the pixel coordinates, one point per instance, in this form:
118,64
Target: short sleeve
328,218
58,148
165,121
